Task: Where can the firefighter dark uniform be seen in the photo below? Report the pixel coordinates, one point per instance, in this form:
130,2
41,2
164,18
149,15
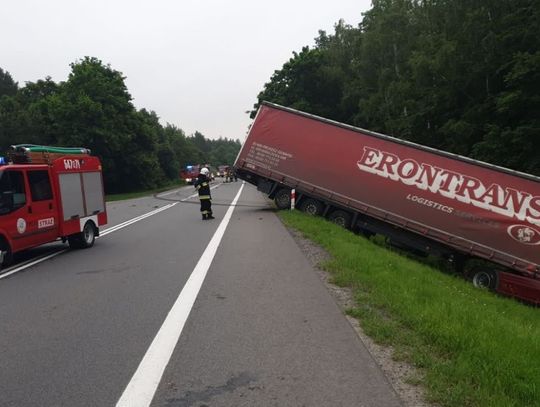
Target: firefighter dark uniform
203,188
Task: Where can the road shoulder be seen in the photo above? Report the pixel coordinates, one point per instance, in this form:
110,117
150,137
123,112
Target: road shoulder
399,373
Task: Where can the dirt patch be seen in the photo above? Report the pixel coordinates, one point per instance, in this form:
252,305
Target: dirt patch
397,372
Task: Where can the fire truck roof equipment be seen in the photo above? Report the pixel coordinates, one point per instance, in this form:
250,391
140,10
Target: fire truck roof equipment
34,154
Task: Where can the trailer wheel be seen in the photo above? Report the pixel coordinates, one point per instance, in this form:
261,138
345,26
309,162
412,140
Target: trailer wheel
341,218
482,278
283,198
85,239
312,207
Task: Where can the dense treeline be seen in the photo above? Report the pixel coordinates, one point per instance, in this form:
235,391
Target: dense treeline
93,109
458,75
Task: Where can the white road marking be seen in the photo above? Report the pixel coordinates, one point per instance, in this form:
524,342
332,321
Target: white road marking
30,263
168,193
122,225
143,385
137,219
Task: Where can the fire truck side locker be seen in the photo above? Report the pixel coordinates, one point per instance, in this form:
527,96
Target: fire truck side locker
81,199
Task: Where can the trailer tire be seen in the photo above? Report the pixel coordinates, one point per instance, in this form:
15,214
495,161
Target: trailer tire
283,198
85,239
341,218
312,207
482,278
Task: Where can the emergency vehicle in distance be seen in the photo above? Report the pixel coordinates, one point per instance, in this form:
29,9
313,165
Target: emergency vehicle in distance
484,218
222,170
49,193
190,174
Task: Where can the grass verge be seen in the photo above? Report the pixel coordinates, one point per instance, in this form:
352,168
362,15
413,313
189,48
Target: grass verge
138,194
473,347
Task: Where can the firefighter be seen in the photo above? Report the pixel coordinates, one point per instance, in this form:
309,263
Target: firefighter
203,187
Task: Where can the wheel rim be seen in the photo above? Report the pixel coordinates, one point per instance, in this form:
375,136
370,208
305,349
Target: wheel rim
88,233
482,280
311,209
339,221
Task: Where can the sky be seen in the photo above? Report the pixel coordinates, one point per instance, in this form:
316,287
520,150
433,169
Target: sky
199,64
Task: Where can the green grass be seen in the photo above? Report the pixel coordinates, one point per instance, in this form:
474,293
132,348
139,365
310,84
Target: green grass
147,192
473,347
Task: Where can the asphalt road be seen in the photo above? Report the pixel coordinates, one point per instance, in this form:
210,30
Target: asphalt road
91,327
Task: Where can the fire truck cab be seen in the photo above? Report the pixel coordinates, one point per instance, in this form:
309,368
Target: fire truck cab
48,194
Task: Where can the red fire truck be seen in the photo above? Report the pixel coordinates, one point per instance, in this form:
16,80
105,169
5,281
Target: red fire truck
418,197
49,193
190,173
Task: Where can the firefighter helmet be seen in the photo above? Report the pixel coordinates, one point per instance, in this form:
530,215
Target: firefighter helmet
204,171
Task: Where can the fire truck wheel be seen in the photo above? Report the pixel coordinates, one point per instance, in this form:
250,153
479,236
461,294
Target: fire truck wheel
341,218
283,198
8,257
85,239
312,207
88,235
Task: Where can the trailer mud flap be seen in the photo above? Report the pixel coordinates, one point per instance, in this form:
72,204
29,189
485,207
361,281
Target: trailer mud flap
518,286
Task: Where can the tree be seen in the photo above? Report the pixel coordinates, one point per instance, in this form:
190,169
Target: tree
8,87
306,82
93,109
458,75
24,117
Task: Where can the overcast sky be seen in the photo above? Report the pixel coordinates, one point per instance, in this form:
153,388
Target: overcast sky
199,64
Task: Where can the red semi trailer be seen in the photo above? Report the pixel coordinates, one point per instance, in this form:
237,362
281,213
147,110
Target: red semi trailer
420,198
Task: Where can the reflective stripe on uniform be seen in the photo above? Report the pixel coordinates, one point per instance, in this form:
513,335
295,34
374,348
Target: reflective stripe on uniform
205,212
204,197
